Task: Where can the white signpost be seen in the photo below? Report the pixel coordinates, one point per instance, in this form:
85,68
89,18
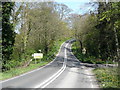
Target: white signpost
37,56
84,51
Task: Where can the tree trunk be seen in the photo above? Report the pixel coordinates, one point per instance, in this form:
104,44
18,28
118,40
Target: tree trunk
118,54
117,45
81,45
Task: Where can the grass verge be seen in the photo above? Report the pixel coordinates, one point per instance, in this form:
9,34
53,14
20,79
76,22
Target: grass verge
47,58
17,71
107,77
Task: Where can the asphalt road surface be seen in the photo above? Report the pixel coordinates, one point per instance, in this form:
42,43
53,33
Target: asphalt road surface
65,71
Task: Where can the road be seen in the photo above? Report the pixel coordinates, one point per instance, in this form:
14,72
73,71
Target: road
65,71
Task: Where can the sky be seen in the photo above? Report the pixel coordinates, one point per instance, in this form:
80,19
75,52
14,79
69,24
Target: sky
75,5
78,6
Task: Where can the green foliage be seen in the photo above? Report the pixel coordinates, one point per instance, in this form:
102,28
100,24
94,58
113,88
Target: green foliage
17,71
86,58
20,70
8,34
12,64
99,33
32,27
108,19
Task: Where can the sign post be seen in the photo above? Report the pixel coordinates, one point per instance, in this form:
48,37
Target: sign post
37,56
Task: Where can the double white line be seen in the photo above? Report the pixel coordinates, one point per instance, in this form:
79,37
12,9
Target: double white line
57,74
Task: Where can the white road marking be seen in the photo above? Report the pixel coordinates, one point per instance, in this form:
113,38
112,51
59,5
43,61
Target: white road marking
72,52
33,70
90,79
53,77
48,81
69,80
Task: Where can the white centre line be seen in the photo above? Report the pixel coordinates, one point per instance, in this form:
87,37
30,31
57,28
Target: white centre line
53,77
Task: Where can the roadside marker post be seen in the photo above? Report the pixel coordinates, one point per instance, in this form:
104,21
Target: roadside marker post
84,51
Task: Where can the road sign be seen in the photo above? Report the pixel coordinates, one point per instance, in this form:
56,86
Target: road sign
38,55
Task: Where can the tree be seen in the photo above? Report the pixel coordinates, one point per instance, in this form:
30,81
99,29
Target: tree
63,11
0,33
96,31
8,34
112,16
40,26
83,26
32,26
108,17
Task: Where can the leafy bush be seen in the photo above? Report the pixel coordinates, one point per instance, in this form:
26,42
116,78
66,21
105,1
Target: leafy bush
85,58
30,52
14,63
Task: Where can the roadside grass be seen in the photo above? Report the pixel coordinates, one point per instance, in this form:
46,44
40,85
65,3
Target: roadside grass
17,71
46,59
107,77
